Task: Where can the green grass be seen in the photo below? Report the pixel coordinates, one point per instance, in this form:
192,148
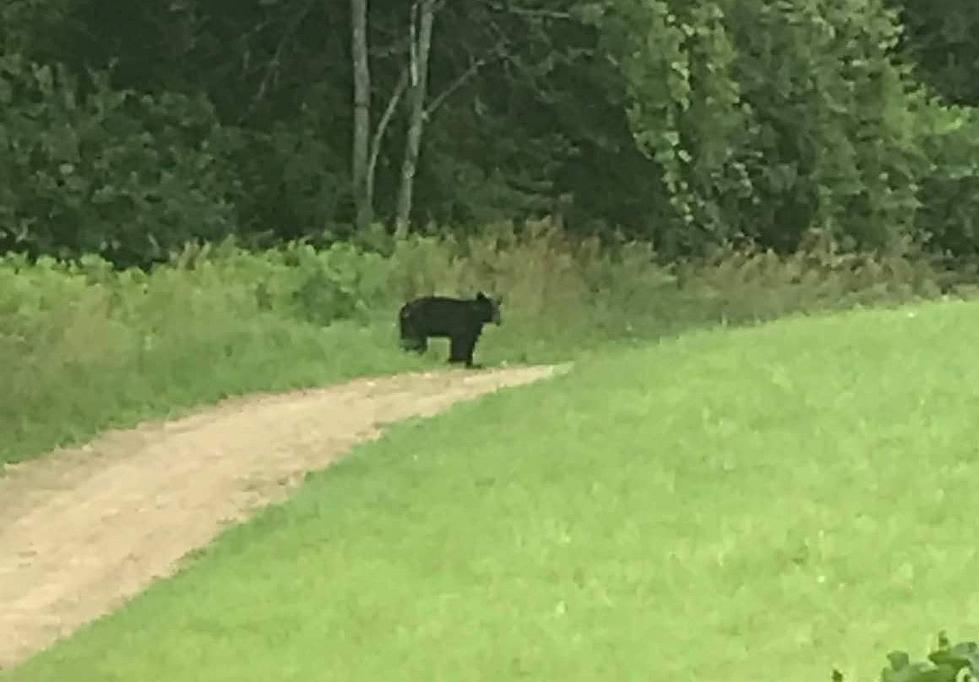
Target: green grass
751,504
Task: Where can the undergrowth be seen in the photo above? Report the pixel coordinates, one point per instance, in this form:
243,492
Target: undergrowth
84,347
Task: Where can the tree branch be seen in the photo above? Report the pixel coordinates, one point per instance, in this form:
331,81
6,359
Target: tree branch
396,95
272,70
528,11
496,52
395,47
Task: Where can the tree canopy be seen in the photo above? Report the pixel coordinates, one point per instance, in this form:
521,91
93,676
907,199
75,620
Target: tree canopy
130,128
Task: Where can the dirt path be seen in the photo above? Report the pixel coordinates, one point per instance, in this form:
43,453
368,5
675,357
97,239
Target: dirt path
86,529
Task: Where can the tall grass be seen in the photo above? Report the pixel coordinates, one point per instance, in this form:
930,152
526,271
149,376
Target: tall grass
84,347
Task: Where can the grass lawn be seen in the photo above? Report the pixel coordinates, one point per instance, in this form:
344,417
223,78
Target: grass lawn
746,504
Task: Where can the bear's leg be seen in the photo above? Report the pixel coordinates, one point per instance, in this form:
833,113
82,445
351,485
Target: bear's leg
457,349
462,349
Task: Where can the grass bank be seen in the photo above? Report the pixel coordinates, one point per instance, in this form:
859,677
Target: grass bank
83,348
726,505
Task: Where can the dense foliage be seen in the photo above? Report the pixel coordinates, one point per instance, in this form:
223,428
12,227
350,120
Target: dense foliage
940,38
129,129
107,171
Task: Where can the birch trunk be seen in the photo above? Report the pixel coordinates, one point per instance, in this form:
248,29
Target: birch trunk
421,42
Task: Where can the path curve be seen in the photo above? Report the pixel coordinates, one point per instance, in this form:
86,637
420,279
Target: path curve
85,529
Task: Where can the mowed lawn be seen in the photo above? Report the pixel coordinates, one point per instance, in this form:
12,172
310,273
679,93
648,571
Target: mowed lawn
750,504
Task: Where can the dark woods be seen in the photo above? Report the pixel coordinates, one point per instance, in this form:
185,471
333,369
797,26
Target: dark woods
131,129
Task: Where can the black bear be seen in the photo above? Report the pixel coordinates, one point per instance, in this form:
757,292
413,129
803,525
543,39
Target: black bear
461,320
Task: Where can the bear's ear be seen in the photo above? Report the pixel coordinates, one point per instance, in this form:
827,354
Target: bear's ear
480,296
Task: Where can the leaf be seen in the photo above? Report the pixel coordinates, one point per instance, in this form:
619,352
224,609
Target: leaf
899,660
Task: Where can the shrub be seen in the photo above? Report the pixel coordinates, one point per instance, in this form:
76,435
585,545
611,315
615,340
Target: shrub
947,663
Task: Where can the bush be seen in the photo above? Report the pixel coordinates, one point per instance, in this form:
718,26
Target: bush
84,347
947,663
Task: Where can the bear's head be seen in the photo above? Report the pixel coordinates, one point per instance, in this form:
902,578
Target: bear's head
489,308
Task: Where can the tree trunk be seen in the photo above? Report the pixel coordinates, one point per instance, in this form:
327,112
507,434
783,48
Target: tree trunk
362,111
421,41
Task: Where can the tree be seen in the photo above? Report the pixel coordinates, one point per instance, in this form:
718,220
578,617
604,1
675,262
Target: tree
769,120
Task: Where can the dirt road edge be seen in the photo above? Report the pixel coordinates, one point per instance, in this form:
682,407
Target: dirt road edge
85,529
